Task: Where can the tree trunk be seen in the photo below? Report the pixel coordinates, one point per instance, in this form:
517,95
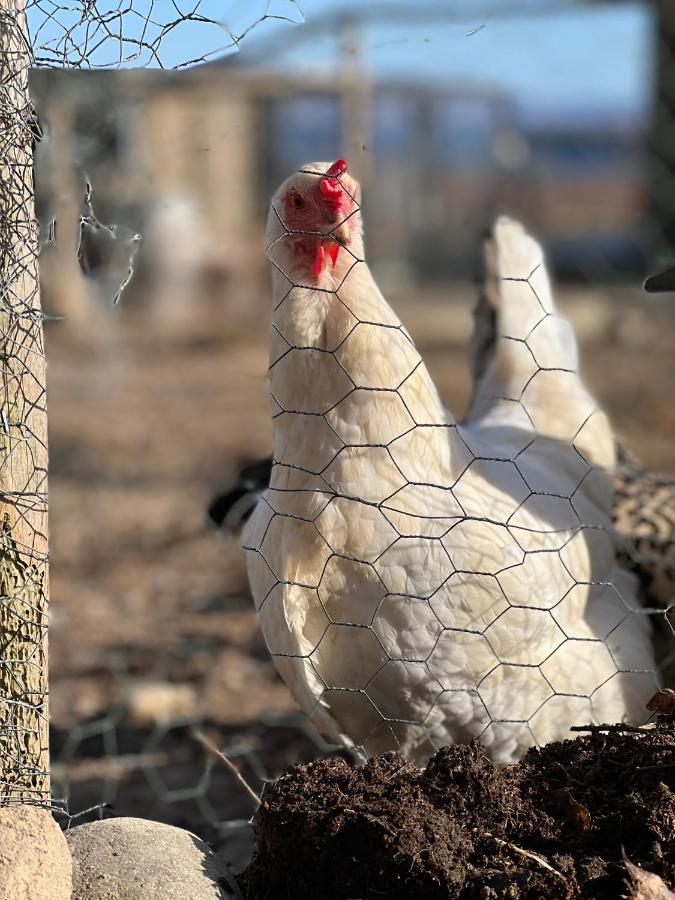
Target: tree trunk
24,761
661,144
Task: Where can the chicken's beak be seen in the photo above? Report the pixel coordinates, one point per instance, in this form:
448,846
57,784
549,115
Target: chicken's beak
341,232
339,237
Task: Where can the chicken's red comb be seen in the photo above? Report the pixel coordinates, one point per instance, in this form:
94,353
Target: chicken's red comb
330,186
338,168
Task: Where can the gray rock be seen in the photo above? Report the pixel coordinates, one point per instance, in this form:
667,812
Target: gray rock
34,859
135,859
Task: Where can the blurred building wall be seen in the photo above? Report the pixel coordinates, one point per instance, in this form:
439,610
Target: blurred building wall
189,160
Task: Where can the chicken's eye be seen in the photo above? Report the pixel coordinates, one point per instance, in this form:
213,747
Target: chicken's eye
297,201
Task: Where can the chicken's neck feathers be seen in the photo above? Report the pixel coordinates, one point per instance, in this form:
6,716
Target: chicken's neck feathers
344,372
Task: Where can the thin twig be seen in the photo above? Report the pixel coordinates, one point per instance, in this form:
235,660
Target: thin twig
527,853
621,728
208,744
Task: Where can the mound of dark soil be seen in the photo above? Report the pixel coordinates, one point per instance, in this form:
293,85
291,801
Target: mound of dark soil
592,817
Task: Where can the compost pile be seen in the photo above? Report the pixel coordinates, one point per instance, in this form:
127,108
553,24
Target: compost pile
592,817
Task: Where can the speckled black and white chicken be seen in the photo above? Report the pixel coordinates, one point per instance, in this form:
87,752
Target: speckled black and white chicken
421,582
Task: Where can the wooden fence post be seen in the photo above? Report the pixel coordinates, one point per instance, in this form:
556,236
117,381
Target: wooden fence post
24,747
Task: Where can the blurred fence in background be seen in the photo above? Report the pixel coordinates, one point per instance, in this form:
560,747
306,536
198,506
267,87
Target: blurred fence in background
155,401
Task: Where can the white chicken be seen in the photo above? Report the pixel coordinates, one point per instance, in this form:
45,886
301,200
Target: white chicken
421,582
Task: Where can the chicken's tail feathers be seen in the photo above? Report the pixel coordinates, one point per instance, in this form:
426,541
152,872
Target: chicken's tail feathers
515,310
515,278
232,508
501,243
526,363
484,334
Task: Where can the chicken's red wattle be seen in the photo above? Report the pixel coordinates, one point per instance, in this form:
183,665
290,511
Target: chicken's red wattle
334,252
317,268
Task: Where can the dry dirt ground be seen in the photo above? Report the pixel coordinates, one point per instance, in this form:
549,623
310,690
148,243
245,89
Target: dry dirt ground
152,630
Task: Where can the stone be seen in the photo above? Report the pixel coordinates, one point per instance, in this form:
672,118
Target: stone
136,859
35,862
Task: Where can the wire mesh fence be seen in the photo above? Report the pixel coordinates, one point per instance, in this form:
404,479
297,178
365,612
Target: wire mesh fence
416,581
111,35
